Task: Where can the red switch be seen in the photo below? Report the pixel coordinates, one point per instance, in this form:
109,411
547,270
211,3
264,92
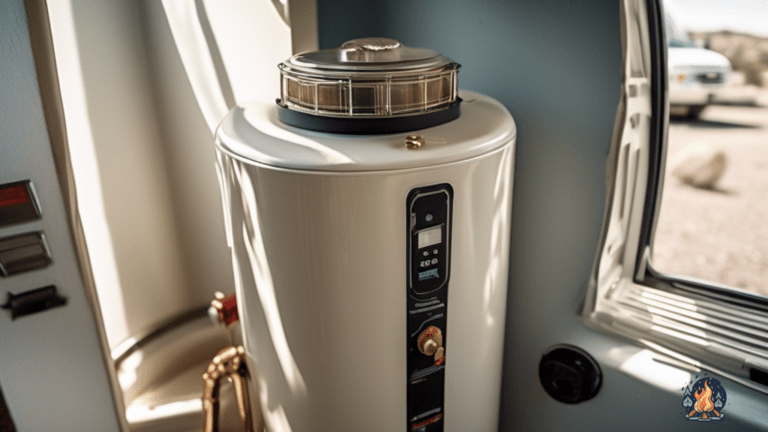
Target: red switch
17,203
12,195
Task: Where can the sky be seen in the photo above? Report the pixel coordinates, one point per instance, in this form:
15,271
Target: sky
747,16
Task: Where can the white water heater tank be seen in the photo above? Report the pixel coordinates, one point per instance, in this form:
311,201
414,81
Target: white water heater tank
368,213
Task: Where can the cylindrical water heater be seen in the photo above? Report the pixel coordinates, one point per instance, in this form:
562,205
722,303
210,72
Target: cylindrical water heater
368,213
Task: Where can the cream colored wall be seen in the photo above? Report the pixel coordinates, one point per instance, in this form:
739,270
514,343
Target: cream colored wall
144,85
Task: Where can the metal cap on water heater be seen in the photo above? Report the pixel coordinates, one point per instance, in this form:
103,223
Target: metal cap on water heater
368,86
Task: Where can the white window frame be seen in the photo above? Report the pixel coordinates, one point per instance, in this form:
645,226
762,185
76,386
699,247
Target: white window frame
705,325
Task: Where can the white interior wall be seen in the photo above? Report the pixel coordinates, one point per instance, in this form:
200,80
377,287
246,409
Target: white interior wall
119,165
144,85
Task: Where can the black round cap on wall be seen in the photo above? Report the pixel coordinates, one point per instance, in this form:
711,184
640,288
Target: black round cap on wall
569,374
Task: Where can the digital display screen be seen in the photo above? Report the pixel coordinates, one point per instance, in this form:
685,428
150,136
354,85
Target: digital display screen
430,237
429,274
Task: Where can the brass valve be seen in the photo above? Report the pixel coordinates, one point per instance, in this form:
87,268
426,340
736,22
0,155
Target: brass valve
228,363
430,341
414,141
223,309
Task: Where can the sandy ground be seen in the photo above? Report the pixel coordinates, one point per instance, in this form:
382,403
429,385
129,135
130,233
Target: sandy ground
719,235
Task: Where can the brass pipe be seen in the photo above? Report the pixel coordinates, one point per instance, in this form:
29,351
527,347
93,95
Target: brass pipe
228,363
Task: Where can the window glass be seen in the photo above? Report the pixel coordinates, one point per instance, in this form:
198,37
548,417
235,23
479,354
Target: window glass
713,221
676,37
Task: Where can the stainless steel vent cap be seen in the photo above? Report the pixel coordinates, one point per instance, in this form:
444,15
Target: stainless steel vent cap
371,78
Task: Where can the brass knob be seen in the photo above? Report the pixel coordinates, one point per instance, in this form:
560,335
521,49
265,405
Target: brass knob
414,141
430,340
439,354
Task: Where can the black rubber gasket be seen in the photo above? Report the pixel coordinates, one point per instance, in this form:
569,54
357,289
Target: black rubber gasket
368,126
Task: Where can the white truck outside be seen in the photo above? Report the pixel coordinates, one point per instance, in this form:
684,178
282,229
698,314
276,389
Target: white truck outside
696,74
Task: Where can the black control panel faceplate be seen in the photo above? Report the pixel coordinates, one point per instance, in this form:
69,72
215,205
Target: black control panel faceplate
429,218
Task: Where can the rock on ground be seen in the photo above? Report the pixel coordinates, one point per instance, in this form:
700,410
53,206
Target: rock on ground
699,165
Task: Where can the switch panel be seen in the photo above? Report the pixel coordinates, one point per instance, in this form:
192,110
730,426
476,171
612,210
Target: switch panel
23,253
17,203
429,211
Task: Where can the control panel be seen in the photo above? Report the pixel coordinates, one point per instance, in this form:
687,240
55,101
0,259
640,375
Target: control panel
27,251
429,211
24,252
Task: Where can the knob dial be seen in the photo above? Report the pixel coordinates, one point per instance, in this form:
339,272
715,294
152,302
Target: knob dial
430,340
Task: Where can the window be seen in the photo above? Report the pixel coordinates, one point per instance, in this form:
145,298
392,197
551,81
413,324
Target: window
713,219
649,282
